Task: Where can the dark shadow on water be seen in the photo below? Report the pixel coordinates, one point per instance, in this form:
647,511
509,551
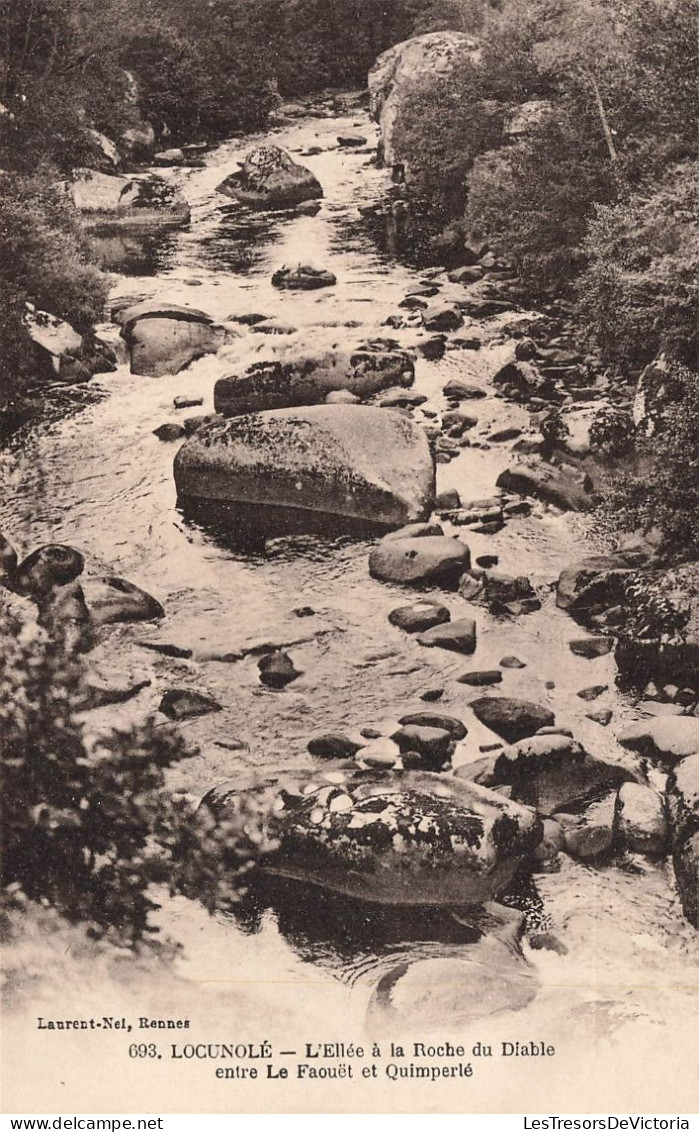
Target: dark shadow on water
240,239
135,254
248,529
333,930
348,935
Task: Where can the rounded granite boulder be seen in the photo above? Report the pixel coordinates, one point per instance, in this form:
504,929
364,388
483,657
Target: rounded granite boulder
394,837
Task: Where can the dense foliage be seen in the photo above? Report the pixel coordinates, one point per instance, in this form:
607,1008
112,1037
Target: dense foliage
569,147
211,69
72,70
45,259
445,123
90,829
655,487
596,179
638,290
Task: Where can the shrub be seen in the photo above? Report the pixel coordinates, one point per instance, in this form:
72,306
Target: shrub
89,830
612,433
652,614
555,432
532,201
179,88
638,293
45,257
658,488
442,125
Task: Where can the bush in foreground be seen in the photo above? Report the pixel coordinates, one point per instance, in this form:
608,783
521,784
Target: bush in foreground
90,831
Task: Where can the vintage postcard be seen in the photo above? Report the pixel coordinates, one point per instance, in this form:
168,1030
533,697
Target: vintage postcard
349,709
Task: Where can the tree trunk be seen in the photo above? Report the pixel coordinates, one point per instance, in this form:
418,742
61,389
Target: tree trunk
608,136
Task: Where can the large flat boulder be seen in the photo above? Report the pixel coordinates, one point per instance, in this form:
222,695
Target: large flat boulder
395,837
137,203
308,381
353,461
164,337
126,316
303,277
407,65
270,178
597,580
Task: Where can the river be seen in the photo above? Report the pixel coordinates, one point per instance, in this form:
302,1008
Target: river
97,478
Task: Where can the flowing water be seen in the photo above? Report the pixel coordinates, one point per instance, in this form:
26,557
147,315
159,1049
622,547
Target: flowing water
98,479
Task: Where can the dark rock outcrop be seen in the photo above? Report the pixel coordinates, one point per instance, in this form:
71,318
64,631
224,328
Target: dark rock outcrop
270,178
183,703
308,381
553,772
548,483
511,719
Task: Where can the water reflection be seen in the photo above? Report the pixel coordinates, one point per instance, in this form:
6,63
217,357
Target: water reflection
336,930
240,239
254,528
135,253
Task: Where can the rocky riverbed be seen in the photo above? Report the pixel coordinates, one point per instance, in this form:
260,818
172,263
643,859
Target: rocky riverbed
297,640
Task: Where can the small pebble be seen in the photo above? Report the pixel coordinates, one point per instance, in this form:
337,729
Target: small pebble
593,692
481,679
603,717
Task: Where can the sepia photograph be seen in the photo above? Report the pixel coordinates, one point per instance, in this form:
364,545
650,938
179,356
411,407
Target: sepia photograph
349,558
